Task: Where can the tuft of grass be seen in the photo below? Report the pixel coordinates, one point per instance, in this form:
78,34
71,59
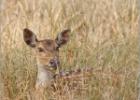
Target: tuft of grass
104,36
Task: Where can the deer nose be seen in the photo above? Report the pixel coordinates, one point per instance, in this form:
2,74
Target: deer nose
54,63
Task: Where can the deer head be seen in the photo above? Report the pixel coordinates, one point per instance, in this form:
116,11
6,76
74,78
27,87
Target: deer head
47,51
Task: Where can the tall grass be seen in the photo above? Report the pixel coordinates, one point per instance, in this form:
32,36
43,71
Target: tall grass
104,36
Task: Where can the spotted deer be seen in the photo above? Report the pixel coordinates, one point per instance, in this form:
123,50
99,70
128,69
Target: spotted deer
47,55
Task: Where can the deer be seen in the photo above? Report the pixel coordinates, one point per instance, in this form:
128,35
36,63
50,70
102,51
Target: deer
47,56
49,72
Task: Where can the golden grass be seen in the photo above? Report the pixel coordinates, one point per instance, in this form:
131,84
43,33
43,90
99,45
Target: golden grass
104,36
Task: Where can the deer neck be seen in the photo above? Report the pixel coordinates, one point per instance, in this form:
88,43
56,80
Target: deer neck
44,74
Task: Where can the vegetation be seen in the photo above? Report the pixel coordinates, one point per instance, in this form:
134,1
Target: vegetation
104,36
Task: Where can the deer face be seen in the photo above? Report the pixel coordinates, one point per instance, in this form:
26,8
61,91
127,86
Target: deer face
47,50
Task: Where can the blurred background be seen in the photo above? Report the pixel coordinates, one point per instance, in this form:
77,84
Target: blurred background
104,36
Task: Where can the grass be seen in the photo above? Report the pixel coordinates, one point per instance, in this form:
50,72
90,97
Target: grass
104,36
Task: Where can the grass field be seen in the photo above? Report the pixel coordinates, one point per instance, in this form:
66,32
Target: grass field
104,36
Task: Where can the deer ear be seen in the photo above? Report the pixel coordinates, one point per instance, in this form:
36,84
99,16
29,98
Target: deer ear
29,37
62,38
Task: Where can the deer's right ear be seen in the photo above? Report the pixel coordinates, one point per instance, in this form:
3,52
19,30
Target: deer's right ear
29,37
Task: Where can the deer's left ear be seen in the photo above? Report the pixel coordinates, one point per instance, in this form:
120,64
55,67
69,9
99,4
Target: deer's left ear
62,38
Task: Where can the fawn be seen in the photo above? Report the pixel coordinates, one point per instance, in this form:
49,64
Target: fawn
47,52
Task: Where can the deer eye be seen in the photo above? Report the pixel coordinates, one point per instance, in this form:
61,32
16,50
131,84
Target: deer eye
40,50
